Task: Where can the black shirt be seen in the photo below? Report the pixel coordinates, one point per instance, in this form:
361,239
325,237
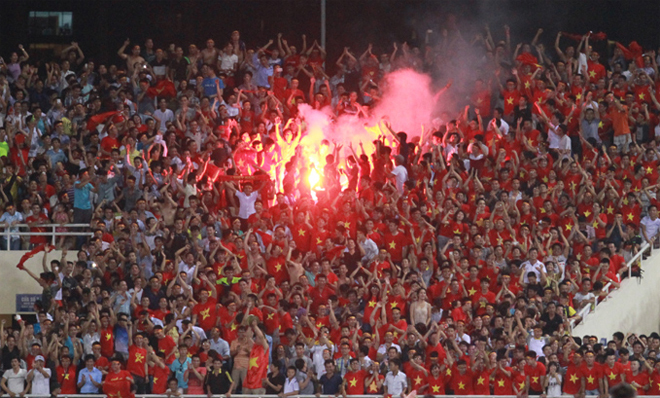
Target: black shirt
330,385
277,381
551,325
217,383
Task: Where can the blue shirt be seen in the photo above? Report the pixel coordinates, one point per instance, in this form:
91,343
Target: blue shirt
262,73
81,197
179,369
89,387
209,86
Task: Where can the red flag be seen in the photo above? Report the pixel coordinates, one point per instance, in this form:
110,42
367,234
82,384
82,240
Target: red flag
257,368
164,89
593,37
633,52
98,119
32,253
528,59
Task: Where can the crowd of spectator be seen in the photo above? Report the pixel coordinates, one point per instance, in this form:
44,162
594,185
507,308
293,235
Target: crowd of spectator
450,261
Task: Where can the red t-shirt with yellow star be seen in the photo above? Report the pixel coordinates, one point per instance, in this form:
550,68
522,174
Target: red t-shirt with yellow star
67,379
355,382
206,314
136,360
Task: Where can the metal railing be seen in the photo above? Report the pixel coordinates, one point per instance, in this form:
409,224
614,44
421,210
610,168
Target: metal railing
267,396
8,235
584,312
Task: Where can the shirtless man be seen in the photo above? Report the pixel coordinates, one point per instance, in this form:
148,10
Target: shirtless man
131,59
210,53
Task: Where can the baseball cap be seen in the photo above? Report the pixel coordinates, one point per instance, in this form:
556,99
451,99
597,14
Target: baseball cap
39,358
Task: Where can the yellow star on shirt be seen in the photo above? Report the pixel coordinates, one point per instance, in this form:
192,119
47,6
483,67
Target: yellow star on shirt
347,225
500,383
319,325
472,291
530,142
612,376
457,232
461,385
521,385
573,378
587,213
568,227
535,379
155,380
301,232
270,316
318,241
373,387
578,96
139,357
205,314
527,85
418,380
448,372
253,363
592,74
66,376
353,382
233,327
641,96
595,224
435,388
480,381
545,179
590,379
600,125
631,217
392,245
573,186
649,170
278,267
394,304
509,101
108,336
610,209
372,304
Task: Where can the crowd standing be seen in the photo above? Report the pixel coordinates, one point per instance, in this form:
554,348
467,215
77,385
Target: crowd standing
447,261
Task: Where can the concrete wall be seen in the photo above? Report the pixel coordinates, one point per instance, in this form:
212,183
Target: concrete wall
635,307
14,281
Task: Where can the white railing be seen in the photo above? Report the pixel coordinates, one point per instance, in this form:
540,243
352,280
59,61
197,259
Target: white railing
7,234
264,396
257,396
588,309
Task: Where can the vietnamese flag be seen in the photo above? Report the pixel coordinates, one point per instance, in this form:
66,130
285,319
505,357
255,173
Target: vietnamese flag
257,368
95,120
164,89
42,247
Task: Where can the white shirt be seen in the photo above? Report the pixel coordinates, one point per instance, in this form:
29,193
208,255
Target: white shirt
529,267
396,384
41,384
401,176
383,348
246,204
227,62
15,381
651,226
291,385
167,116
